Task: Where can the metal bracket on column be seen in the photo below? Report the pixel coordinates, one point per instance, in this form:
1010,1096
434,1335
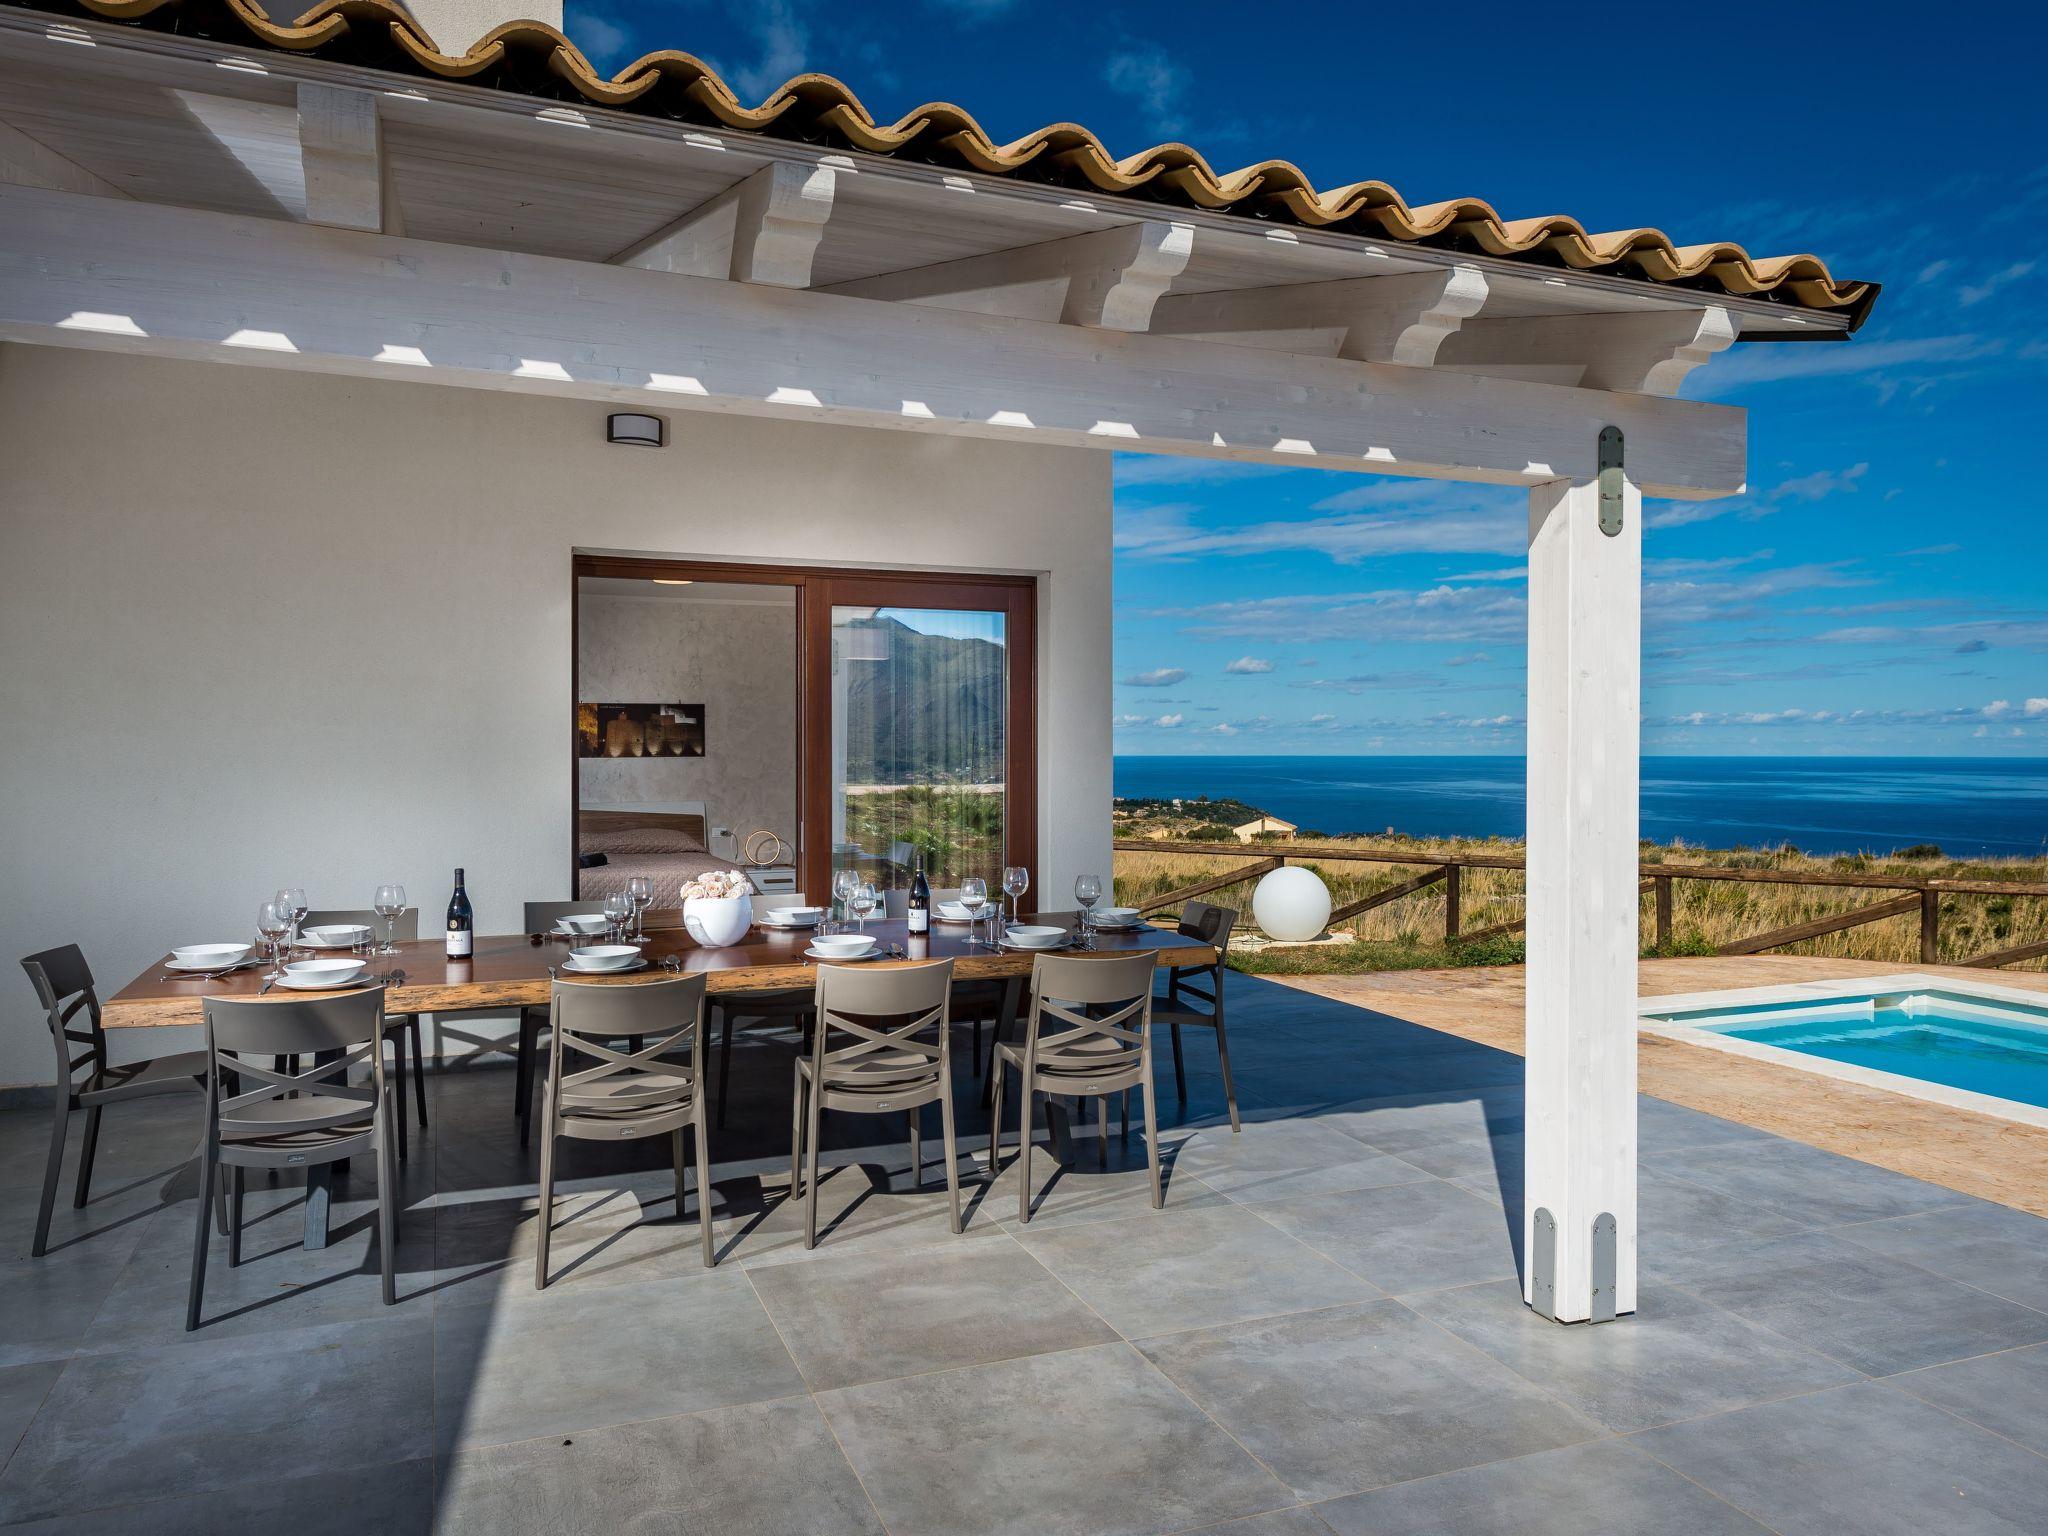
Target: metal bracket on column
1603,1269
1543,1266
1610,481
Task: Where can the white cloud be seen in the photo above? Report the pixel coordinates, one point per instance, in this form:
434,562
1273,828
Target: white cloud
1977,293
2036,707
1246,666
602,40
1158,677
1168,722
1172,469
1125,721
1767,364
1155,82
1996,708
1808,488
783,40
1321,719
1382,518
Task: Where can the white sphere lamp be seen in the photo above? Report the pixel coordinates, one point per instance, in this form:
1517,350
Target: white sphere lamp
1292,905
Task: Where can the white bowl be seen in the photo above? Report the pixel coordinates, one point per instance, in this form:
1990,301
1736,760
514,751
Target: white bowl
329,973
1116,917
1026,936
955,912
790,917
605,957
843,945
335,935
583,922
211,957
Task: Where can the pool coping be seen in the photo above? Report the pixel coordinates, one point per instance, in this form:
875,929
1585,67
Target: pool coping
1652,1015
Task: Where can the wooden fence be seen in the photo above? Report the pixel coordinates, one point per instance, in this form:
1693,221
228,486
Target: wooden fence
1923,895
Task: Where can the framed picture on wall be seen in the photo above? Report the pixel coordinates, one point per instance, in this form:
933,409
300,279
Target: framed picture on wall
639,730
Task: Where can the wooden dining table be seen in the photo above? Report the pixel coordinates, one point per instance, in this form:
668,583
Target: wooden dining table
516,971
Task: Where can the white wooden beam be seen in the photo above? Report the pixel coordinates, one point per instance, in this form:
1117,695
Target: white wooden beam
1641,354
1400,318
1110,279
341,143
764,229
1585,603
28,162
185,282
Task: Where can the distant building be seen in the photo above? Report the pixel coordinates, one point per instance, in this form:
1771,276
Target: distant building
1252,829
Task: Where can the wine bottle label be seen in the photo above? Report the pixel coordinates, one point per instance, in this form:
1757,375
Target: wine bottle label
460,942
920,920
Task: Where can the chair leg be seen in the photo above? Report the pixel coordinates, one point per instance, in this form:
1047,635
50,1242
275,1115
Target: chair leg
724,1063
705,1236
796,1131
235,1182
547,1190
522,1067
917,1147
1023,1147
814,1124
1102,1131
952,1149
1124,1130
86,1150
419,1070
995,1123
675,1149
197,1290
53,1166
387,1200
1152,1146
1223,1056
980,1065
1180,1071
397,1038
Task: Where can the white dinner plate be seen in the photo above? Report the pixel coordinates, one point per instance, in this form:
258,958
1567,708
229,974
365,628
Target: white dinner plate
1102,927
1039,949
953,912
315,984
866,954
306,943
209,970
606,970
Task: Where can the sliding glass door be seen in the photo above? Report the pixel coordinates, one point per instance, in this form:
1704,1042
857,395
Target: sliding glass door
920,729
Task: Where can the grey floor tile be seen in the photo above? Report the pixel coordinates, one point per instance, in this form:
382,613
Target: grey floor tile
1865,1459
1674,1358
1486,1165
1665,1127
1408,1237
1805,1185
1355,1397
1679,1220
1992,1247
1396,1124
1863,1309
765,1469
861,1317
194,1418
616,1233
1083,1191
857,1212
395,1500
566,1359
22,1390
1277,1159
1298,1521
2007,1393
1603,1489
1205,1267
47,1303
1090,1442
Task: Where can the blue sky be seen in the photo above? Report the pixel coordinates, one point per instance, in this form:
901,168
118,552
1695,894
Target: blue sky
1884,586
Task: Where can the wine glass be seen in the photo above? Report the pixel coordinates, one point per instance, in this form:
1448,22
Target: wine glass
389,905
974,896
843,885
1087,892
293,900
618,911
1016,881
273,922
862,901
640,889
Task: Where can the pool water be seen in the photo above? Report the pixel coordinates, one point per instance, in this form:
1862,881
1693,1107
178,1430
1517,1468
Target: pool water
1983,1047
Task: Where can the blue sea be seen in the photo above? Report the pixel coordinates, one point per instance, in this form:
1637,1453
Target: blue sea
1970,807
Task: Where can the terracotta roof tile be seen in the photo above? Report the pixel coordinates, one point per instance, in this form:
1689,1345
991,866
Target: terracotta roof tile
533,58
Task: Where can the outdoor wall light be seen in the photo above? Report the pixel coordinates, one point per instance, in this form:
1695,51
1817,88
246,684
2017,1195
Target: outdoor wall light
640,431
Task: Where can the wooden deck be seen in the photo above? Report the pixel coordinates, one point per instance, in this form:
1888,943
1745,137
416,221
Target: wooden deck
1980,1155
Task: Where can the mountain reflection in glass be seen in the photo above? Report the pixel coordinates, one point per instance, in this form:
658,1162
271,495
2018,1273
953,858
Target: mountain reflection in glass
919,705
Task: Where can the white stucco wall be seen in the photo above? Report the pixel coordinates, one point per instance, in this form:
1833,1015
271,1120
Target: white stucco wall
259,626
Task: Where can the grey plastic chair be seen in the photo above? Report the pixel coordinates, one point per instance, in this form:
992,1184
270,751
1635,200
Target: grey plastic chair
625,1095
1102,1007
791,1006
1213,926
539,917
881,1046
293,1119
64,986
399,1028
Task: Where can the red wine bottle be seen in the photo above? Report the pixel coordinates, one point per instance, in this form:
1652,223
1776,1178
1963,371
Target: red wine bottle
919,910
461,923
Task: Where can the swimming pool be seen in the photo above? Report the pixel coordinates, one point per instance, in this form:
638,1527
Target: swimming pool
1980,1047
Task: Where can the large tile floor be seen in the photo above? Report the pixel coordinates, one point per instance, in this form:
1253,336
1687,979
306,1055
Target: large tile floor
1321,1332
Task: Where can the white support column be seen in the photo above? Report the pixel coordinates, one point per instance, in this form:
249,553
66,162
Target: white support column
1585,607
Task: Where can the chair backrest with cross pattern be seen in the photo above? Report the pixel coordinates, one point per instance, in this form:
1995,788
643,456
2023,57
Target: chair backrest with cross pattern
1091,1015
277,1115
63,983
881,1030
609,1092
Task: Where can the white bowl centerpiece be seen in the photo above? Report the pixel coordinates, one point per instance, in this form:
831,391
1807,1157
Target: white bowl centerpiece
718,908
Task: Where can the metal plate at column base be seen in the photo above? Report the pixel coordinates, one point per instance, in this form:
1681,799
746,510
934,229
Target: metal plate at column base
1543,1265
1603,1268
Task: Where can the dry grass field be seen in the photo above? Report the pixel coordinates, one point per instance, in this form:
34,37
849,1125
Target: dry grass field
1706,914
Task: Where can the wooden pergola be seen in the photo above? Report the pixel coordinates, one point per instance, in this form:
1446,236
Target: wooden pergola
272,202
